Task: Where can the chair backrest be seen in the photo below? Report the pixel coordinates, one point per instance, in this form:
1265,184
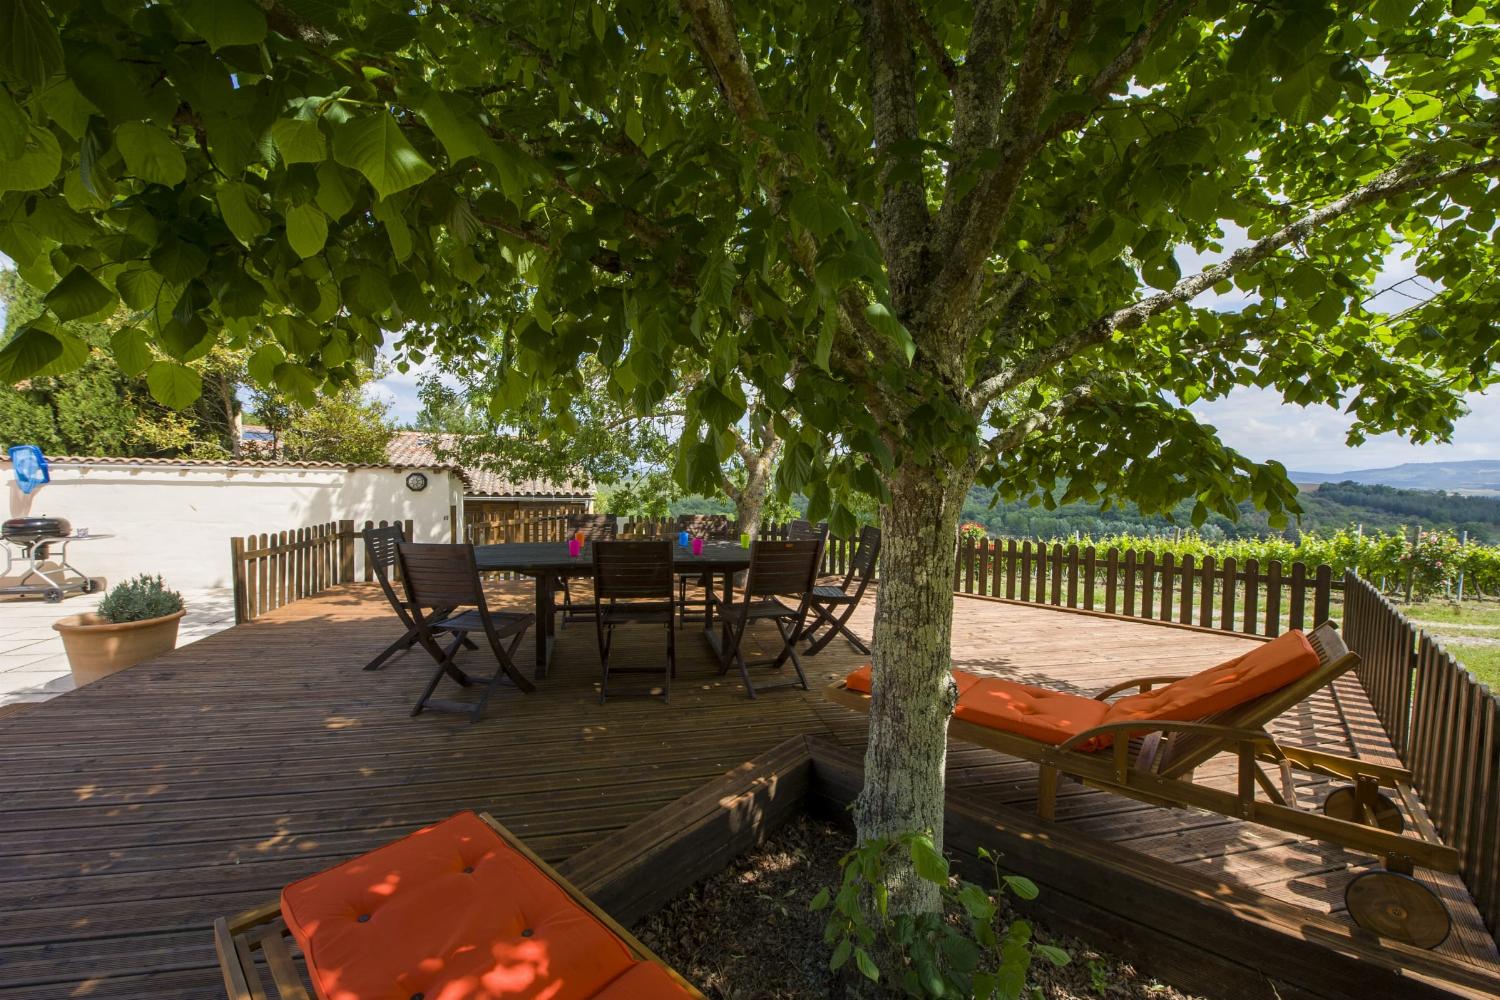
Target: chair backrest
1334,660
862,563
594,526
716,527
633,570
783,567
381,556
441,576
803,531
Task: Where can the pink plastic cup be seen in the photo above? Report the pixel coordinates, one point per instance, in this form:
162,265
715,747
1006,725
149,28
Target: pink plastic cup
697,546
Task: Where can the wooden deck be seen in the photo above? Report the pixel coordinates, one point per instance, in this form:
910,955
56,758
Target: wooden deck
136,810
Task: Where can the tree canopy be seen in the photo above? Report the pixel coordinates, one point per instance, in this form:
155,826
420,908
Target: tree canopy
940,241
310,180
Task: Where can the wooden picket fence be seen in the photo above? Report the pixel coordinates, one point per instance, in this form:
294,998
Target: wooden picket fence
1248,597
489,525
275,568
1443,723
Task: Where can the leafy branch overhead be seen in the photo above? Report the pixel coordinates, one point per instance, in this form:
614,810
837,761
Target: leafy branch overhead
944,235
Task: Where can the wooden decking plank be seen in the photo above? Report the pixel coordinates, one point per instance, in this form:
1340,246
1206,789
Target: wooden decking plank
134,811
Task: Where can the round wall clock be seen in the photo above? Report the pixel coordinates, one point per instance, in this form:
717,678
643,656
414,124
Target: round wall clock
416,482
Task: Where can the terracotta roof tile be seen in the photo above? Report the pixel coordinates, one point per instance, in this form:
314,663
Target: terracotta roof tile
416,447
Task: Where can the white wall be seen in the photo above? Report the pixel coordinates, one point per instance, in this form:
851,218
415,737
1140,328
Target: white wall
177,520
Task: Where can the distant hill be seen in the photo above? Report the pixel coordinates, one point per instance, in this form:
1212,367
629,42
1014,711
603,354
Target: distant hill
1476,477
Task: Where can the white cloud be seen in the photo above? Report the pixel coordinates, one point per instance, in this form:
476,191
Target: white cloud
1258,423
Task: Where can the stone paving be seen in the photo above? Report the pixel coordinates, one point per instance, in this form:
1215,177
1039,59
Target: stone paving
33,666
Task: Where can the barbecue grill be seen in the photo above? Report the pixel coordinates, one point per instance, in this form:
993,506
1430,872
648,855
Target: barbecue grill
29,541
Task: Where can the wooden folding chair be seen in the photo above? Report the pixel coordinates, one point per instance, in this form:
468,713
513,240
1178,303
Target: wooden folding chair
826,599
710,527
776,569
380,556
595,528
445,578
1152,760
633,585
445,948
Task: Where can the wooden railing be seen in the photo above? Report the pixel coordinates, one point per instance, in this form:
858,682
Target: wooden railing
1246,597
1446,727
275,568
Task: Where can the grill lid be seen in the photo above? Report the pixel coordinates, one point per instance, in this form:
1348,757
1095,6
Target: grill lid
36,527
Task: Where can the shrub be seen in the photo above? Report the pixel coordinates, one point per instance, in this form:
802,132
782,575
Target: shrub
136,600
971,531
931,954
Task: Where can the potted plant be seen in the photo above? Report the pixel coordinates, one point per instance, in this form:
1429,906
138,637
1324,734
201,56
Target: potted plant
137,620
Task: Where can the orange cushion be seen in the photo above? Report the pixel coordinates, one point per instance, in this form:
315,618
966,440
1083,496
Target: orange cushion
1048,716
451,912
859,680
1264,669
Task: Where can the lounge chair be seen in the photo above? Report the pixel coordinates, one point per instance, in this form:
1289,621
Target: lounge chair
1147,745
459,909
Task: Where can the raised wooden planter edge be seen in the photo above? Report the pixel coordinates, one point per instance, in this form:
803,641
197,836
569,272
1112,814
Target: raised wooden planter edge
1176,925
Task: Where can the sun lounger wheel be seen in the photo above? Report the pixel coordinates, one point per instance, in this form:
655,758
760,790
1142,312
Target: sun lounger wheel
1342,803
1397,906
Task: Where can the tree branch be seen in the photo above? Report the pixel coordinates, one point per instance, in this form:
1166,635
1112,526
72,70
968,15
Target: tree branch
902,221
930,41
1400,179
714,31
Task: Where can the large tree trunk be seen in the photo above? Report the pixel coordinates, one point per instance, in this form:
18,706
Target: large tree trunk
751,500
913,689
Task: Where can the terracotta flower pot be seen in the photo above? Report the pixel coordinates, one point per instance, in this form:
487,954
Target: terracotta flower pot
97,648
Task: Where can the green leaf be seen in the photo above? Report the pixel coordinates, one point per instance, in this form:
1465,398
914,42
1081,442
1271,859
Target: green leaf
866,965
262,364
888,326
930,865
306,230
1023,887
35,168
299,141
297,382
820,901
173,385
13,128
376,148
237,206
75,353
1053,954
31,350
334,196
840,955
460,135
225,22
30,50
139,287
635,126
389,213
131,349
79,294
150,154
814,212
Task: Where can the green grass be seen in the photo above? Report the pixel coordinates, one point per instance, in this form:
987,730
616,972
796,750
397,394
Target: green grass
1483,662
1486,613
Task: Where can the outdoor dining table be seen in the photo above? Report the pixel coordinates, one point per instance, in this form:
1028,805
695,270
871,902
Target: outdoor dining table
549,561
